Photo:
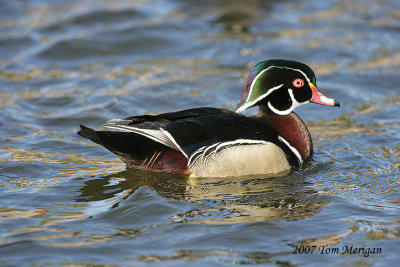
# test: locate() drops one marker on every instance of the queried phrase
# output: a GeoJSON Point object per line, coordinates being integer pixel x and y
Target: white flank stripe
{"type": "Point", "coordinates": [239, 141]}
{"type": "Point", "coordinates": [202, 150]}
{"type": "Point", "coordinates": [294, 150]}
{"type": "Point", "coordinates": [209, 147]}
{"type": "Point", "coordinates": [195, 154]}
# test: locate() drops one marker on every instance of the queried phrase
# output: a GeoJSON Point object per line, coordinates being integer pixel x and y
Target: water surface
{"type": "Point", "coordinates": [67, 201]}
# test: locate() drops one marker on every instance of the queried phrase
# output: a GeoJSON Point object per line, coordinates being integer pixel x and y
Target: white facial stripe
{"type": "Point", "coordinates": [242, 108]}
{"type": "Point", "coordinates": [308, 80]}
{"type": "Point", "coordinates": [246, 105]}
{"type": "Point", "coordinates": [294, 105]}
{"type": "Point", "coordinates": [255, 79]}
{"type": "Point", "coordinates": [284, 112]}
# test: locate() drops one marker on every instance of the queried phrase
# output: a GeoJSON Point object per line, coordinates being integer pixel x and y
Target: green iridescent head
{"type": "Point", "coordinates": [281, 85]}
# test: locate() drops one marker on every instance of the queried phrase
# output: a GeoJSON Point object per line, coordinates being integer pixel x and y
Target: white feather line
{"type": "Point", "coordinates": [161, 136]}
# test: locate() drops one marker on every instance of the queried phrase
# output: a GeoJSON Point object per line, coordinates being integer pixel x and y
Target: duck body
{"type": "Point", "coordinates": [218, 142]}
{"type": "Point", "coordinates": [203, 141]}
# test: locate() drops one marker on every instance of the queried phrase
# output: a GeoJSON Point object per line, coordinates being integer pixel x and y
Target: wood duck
{"type": "Point", "coordinates": [218, 142]}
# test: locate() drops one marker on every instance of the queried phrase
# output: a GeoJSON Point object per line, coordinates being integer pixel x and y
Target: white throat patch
{"type": "Point", "coordinates": [294, 105]}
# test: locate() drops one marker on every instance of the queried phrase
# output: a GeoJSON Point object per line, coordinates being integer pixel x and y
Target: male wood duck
{"type": "Point", "coordinates": [218, 142]}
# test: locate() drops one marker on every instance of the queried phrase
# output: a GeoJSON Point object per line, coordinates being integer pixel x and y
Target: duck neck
{"type": "Point", "coordinates": [290, 127]}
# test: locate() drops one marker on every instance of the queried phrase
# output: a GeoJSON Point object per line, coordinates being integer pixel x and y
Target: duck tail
{"type": "Point", "coordinates": [132, 148]}
{"type": "Point", "coordinates": [90, 134]}
{"type": "Point", "coordinates": [114, 141]}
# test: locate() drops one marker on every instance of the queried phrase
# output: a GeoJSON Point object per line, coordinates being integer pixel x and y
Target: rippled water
{"type": "Point", "coordinates": [67, 201]}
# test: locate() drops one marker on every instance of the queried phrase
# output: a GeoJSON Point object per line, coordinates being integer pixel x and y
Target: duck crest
{"type": "Point", "coordinates": [250, 78]}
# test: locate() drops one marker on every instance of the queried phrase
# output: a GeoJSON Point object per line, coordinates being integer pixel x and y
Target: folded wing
{"type": "Point", "coordinates": [192, 130]}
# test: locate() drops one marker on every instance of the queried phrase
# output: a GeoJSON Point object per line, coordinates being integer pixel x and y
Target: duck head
{"type": "Point", "coordinates": [281, 86]}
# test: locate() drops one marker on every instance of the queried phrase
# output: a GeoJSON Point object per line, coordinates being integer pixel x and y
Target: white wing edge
{"type": "Point", "coordinates": [172, 139]}
{"type": "Point", "coordinates": [161, 136]}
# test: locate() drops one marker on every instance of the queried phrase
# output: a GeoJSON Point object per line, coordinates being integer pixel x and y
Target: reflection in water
{"type": "Point", "coordinates": [229, 256]}
{"type": "Point", "coordinates": [233, 200]}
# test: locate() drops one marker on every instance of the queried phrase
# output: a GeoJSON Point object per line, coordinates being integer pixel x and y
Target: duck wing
{"type": "Point", "coordinates": [152, 126]}
{"type": "Point", "coordinates": [194, 130]}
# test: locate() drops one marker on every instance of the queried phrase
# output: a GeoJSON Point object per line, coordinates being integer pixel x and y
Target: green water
{"type": "Point", "coordinates": [65, 201]}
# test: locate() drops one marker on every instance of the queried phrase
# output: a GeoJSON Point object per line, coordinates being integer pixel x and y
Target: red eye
{"type": "Point", "coordinates": [298, 82]}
